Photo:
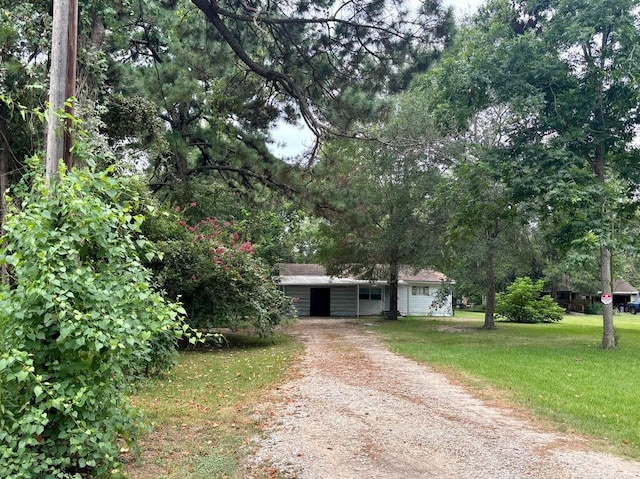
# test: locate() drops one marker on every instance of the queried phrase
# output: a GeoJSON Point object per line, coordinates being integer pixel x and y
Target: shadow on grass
{"type": "Point", "coordinates": [225, 339]}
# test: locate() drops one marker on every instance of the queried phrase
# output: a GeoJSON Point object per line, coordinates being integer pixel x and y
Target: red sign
{"type": "Point", "coordinates": [606, 299]}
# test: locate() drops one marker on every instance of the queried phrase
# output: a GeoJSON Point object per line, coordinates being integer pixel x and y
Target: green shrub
{"type": "Point", "coordinates": [595, 308]}
{"type": "Point", "coordinates": [79, 321]}
{"type": "Point", "coordinates": [524, 303]}
{"type": "Point", "coordinates": [216, 275]}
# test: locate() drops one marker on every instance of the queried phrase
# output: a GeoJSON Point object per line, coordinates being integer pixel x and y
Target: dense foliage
{"type": "Point", "coordinates": [523, 302]}
{"type": "Point", "coordinates": [518, 145]}
{"type": "Point", "coordinates": [375, 210]}
{"type": "Point", "coordinates": [549, 92]}
{"type": "Point", "coordinates": [217, 275]}
{"type": "Point", "coordinates": [79, 322]}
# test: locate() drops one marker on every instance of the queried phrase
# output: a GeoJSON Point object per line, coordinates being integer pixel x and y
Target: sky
{"type": "Point", "coordinates": [292, 140]}
{"type": "Point", "coordinates": [464, 7]}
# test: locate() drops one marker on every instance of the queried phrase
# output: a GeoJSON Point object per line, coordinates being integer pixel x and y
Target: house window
{"type": "Point", "coordinates": [420, 290]}
{"type": "Point", "coordinates": [374, 294]}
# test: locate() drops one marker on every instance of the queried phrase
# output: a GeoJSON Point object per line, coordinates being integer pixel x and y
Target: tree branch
{"type": "Point", "coordinates": [212, 12]}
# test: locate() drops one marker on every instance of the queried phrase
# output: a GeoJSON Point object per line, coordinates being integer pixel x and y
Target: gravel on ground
{"type": "Point", "coordinates": [356, 410]}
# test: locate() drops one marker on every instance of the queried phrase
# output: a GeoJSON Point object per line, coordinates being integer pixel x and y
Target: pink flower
{"type": "Point", "coordinates": [182, 223]}
{"type": "Point", "coordinates": [246, 247]}
{"type": "Point", "coordinates": [194, 277]}
{"type": "Point", "coordinates": [194, 204]}
{"type": "Point", "coordinates": [236, 236]}
{"type": "Point", "coordinates": [177, 209]}
{"type": "Point", "coordinates": [227, 224]}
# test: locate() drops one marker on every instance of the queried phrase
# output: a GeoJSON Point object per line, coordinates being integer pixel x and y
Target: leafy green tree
{"type": "Point", "coordinates": [375, 210]}
{"type": "Point", "coordinates": [221, 75]}
{"type": "Point", "coordinates": [487, 230]}
{"type": "Point", "coordinates": [24, 74]}
{"type": "Point", "coordinates": [327, 59]}
{"type": "Point", "coordinates": [591, 117]}
{"type": "Point", "coordinates": [216, 118]}
{"type": "Point", "coordinates": [524, 303]}
{"type": "Point", "coordinates": [488, 240]}
{"type": "Point", "coordinates": [565, 67]}
{"type": "Point", "coordinates": [22, 88]}
{"type": "Point", "coordinates": [79, 324]}
{"type": "Point", "coordinates": [307, 239]}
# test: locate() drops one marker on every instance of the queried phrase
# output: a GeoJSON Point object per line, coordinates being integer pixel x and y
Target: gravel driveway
{"type": "Point", "coordinates": [357, 410]}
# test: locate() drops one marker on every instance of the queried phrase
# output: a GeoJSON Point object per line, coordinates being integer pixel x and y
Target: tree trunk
{"type": "Point", "coordinates": [490, 285]}
{"type": "Point", "coordinates": [608, 330]}
{"type": "Point", "coordinates": [393, 291]}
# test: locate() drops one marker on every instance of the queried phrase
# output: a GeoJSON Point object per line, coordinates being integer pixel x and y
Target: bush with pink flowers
{"type": "Point", "coordinates": [216, 274]}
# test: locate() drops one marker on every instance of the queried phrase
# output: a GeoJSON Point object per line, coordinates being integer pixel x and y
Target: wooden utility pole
{"type": "Point", "coordinates": [5, 151]}
{"type": "Point", "coordinates": [71, 79]}
{"type": "Point", "coordinates": [62, 83]}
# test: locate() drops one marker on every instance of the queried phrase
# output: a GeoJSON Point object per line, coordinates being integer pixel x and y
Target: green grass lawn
{"type": "Point", "coordinates": [557, 371]}
{"type": "Point", "coordinates": [202, 410]}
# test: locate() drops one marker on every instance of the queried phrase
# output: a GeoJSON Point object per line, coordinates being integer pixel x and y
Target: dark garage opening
{"type": "Point", "coordinates": [320, 302]}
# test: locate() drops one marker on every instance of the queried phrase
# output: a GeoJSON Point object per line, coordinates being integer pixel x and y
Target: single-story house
{"type": "Point", "coordinates": [567, 296]}
{"type": "Point", "coordinates": [624, 293]}
{"type": "Point", "coordinates": [317, 294]}
{"type": "Point", "coordinates": [572, 300]}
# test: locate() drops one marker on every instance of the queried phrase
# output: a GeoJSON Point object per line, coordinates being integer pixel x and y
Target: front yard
{"type": "Point", "coordinates": [556, 371]}
{"type": "Point", "coordinates": [203, 411]}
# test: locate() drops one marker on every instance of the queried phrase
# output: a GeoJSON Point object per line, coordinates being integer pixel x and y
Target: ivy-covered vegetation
{"type": "Point", "coordinates": [80, 322]}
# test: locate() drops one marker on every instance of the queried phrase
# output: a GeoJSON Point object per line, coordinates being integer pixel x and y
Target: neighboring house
{"type": "Point", "coordinates": [567, 296]}
{"type": "Point", "coordinates": [317, 294]}
{"type": "Point", "coordinates": [623, 293]}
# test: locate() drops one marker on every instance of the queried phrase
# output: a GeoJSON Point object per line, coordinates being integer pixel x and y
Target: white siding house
{"type": "Point", "coordinates": [317, 294]}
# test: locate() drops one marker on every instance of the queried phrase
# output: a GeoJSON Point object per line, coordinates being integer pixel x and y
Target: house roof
{"type": "Point", "coordinates": [296, 269]}
{"type": "Point", "coordinates": [423, 275]}
{"type": "Point", "coordinates": [620, 286]}
{"type": "Point", "coordinates": [316, 275]}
